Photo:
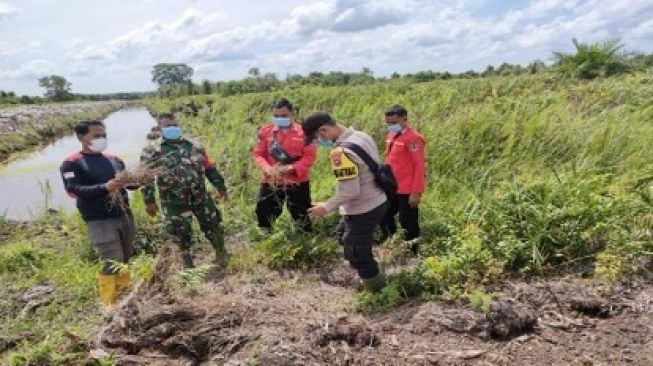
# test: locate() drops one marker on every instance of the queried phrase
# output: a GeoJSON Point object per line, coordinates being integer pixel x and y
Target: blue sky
{"type": "Point", "coordinates": [109, 46]}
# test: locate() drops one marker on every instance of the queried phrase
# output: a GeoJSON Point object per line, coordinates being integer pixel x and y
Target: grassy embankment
{"type": "Point", "coordinates": [527, 176]}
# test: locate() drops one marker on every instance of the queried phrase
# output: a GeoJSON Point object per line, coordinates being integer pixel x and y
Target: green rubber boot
{"type": "Point", "coordinates": [376, 283]}
{"type": "Point", "coordinates": [187, 259]}
{"type": "Point", "coordinates": [217, 242]}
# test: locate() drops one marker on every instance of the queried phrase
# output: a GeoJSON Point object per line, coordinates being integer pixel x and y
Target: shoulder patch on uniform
{"type": "Point", "coordinates": [343, 167]}
{"type": "Point", "coordinates": [73, 157]}
{"type": "Point", "coordinates": [413, 146]}
{"type": "Point", "coordinates": [68, 175]}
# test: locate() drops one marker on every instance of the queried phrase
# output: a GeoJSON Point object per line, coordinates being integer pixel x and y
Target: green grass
{"type": "Point", "coordinates": [55, 251]}
{"type": "Point", "coordinates": [47, 253]}
{"type": "Point", "coordinates": [527, 176]}
{"type": "Point", "coordinates": [534, 175]}
{"type": "Point", "coordinates": [399, 289]}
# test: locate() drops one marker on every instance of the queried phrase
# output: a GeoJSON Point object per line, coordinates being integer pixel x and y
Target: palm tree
{"type": "Point", "coordinates": [592, 60]}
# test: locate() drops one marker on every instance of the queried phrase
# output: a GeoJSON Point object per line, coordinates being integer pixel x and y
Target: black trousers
{"type": "Point", "coordinates": [271, 199]}
{"type": "Point", "coordinates": [408, 217]}
{"type": "Point", "coordinates": [355, 233]}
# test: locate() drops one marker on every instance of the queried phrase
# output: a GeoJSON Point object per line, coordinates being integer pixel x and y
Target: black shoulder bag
{"type": "Point", "coordinates": [279, 153]}
{"type": "Point", "coordinates": [383, 175]}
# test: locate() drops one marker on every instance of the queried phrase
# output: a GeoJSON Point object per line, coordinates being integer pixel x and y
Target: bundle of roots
{"type": "Point", "coordinates": [133, 177]}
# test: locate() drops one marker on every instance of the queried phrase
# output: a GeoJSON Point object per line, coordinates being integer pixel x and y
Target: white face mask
{"type": "Point", "coordinates": [98, 145]}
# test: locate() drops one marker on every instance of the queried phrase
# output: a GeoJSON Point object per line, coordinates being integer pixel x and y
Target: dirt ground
{"type": "Point", "coordinates": [295, 318]}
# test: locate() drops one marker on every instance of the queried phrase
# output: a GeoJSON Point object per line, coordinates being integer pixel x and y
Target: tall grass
{"type": "Point", "coordinates": [545, 169]}
{"type": "Point", "coordinates": [528, 175]}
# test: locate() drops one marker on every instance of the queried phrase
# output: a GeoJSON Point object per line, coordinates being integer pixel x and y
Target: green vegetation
{"type": "Point", "coordinates": [590, 60]}
{"type": "Point", "coordinates": [37, 327]}
{"type": "Point", "coordinates": [48, 304]}
{"type": "Point", "coordinates": [57, 88]}
{"type": "Point", "coordinates": [529, 175]}
{"type": "Point", "coordinates": [593, 60]}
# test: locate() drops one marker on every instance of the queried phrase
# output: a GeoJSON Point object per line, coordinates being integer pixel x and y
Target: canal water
{"type": "Point", "coordinates": [32, 184]}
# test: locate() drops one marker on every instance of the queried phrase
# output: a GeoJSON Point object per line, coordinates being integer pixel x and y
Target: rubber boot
{"type": "Point", "coordinates": [376, 283]}
{"type": "Point", "coordinates": [107, 288]}
{"type": "Point", "coordinates": [187, 259]}
{"type": "Point", "coordinates": [221, 257]}
{"type": "Point", "coordinates": [413, 245]}
{"type": "Point", "coordinates": [123, 281]}
{"type": "Point", "coordinates": [217, 242]}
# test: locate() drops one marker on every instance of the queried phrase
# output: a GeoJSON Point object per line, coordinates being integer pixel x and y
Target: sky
{"type": "Point", "coordinates": [111, 46]}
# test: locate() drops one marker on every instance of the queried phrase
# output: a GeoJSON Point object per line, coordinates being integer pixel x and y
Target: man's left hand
{"type": "Point", "coordinates": [317, 211]}
{"type": "Point", "coordinates": [413, 200]}
{"type": "Point", "coordinates": [286, 169]}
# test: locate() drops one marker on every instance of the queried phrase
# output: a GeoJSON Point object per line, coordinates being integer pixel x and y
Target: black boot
{"type": "Point", "coordinates": [376, 283]}
{"type": "Point", "coordinates": [187, 259]}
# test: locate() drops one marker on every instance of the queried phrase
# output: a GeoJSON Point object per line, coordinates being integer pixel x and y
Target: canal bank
{"type": "Point", "coordinates": [26, 127]}
{"type": "Point", "coordinates": [31, 184]}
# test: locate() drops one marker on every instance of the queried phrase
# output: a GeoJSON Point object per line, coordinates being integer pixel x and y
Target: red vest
{"type": "Point", "coordinates": [292, 140]}
{"type": "Point", "coordinates": [404, 152]}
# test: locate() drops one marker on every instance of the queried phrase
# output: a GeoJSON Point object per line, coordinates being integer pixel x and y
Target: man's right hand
{"type": "Point", "coordinates": [152, 209]}
{"type": "Point", "coordinates": [273, 171]}
{"type": "Point", "coordinates": [114, 185]}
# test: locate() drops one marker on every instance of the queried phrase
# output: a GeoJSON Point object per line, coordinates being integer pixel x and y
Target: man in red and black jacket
{"type": "Point", "coordinates": [285, 160]}
{"type": "Point", "coordinates": [89, 176]}
{"type": "Point", "coordinates": [405, 154]}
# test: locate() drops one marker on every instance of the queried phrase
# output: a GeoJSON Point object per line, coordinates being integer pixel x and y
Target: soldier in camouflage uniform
{"type": "Point", "coordinates": [181, 166]}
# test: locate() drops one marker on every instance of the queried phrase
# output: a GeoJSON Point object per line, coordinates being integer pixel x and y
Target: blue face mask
{"type": "Point", "coordinates": [282, 122]}
{"type": "Point", "coordinates": [171, 132]}
{"type": "Point", "coordinates": [395, 128]}
{"type": "Point", "coordinates": [327, 144]}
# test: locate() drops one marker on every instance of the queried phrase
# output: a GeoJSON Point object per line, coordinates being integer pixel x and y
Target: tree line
{"type": "Point", "coordinates": [587, 61]}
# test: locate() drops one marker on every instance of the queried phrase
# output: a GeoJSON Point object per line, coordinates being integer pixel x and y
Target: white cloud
{"type": "Point", "coordinates": [13, 48]}
{"type": "Point", "coordinates": [30, 70]}
{"type": "Point", "coordinates": [7, 9]}
{"type": "Point", "coordinates": [643, 30]}
{"type": "Point", "coordinates": [152, 35]}
{"type": "Point", "coordinates": [231, 44]}
{"type": "Point", "coordinates": [346, 16]}
{"type": "Point", "coordinates": [222, 41]}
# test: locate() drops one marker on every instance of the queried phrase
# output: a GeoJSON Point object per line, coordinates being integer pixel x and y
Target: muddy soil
{"type": "Point", "coordinates": [294, 318]}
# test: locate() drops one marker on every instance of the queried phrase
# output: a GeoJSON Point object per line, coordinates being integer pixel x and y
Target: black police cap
{"type": "Point", "coordinates": [312, 122]}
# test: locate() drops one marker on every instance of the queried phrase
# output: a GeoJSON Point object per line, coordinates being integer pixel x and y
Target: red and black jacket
{"type": "Point", "coordinates": [85, 176]}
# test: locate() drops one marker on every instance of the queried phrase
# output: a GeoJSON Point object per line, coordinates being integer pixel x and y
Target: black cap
{"type": "Point", "coordinates": [396, 110]}
{"type": "Point", "coordinates": [312, 122]}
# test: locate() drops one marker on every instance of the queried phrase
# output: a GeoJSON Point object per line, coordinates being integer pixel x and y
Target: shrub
{"type": "Point", "coordinates": [285, 250]}
{"type": "Point", "coordinates": [466, 264]}
{"type": "Point", "coordinates": [542, 225]}
{"type": "Point", "coordinates": [398, 290]}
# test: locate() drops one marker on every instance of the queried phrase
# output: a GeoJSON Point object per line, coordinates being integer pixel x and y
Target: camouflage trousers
{"type": "Point", "coordinates": [178, 220]}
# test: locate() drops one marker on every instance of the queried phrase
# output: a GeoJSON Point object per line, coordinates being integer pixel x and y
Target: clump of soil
{"type": "Point", "coordinates": [354, 335]}
{"type": "Point", "coordinates": [593, 306]}
{"type": "Point", "coordinates": [506, 321]}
